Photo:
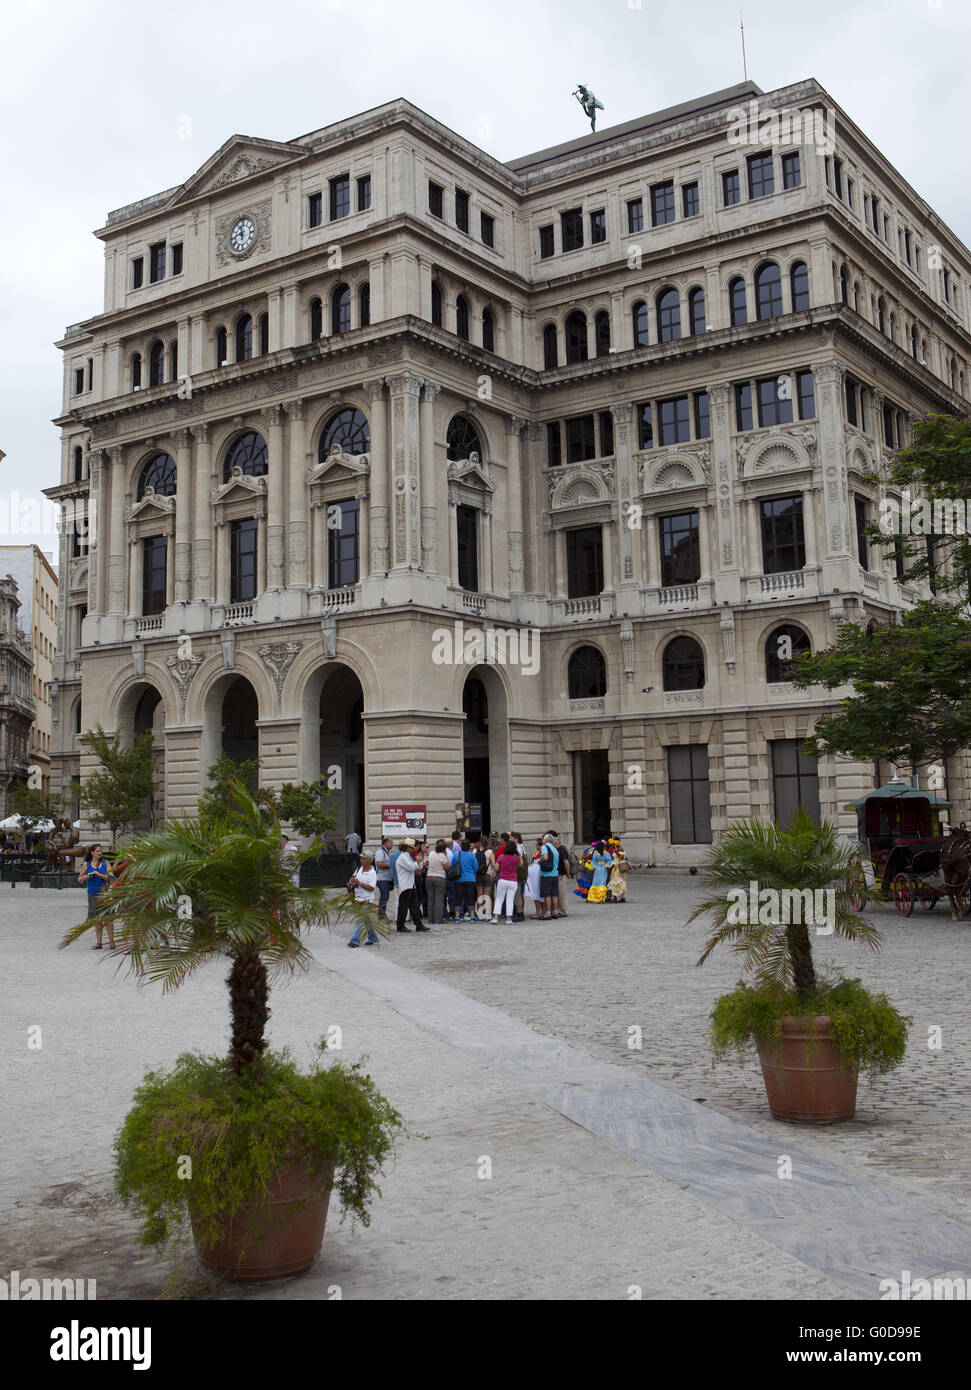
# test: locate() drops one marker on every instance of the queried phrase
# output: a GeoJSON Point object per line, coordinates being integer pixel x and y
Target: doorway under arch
{"type": "Point", "coordinates": [333, 744]}
{"type": "Point", "coordinates": [485, 750]}
{"type": "Point", "coordinates": [142, 710]}
{"type": "Point", "coordinates": [240, 738]}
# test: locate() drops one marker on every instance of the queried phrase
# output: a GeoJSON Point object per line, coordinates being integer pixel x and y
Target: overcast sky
{"type": "Point", "coordinates": [97, 99]}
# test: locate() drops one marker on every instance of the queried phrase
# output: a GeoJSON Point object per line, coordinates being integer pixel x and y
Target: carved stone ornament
{"type": "Point", "coordinates": [278, 657]}
{"type": "Point", "coordinates": [257, 214]}
{"type": "Point", "coordinates": [182, 669]}
{"type": "Point", "coordinates": [337, 464]}
{"type": "Point", "coordinates": [595, 704]}
{"type": "Point", "coordinates": [472, 472]}
{"type": "Point", "coordinates": [579, 485]}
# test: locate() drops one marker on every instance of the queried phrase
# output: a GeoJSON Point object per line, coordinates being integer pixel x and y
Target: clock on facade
{"type": "Point", "coordinates": [243, 235]}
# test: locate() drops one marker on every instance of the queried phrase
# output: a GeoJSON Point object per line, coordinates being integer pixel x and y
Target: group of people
{"type": "Point", "coordinates": [602, 876]}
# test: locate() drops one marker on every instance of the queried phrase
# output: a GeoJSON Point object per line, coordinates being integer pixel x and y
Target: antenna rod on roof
{"type": "Point", "coordinates": [741, 25]}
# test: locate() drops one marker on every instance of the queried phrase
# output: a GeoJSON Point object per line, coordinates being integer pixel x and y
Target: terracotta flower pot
{"type": "Point", "coordinates": [804, 1080]}
{"type": "Point", "coordinates": [280, 1235]}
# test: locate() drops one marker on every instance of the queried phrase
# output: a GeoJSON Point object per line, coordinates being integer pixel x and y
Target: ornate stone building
{"type": "Point", "coordinates": [456, 480]}
{"type": "Point", "coordinates": [16, 703]}
{"type": "Point", "coordinates": [37, 589]}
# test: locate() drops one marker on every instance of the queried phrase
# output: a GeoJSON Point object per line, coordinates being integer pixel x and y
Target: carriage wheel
{"type": "Point", "coordinates": [903, 895]}
{"type": "Point", "coordinates": [857, 889]}
{"type": "Point", "coordinates": [925, 895]}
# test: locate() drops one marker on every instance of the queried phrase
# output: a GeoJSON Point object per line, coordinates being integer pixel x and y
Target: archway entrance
{"type": "Point", "coordinates": [485, 751]}
{"type": "Point", "coordinates": [240, 711]}
{"type": "Point", "coordinates": [333, 745]}
{"type": "Point", "coordinates": [142, 710]}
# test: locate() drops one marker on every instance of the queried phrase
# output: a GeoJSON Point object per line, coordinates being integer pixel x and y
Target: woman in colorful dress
{"type": "Point", "coordinates": [617, 883]}
{"type": "Point", "coordinates": [584, 874]}
{"type": "Point", "coordinates": [601, 862]}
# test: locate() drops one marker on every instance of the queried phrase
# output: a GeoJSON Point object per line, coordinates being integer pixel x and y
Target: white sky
{"type": "Point", "coordinates": [94, 96]}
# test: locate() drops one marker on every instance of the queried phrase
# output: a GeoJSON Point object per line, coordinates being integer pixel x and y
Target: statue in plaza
{"type": "Point", "coordinates": [589, 103]}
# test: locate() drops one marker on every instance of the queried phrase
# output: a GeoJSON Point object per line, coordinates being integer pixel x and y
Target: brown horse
{"type": "Point", "coordinates": [956, 872]}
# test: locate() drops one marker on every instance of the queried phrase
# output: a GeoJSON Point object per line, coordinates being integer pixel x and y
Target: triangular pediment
{"type": "Point", "coordinates": [151, 505]}
{"type": "Point", "coordinates": [471, 473]}
{"type": "Point", "coordinates": [338, 467]}
{"type": "Point", "coordinates": [240, 158]}
{"type": "Point", "coordinates": [241, 487]}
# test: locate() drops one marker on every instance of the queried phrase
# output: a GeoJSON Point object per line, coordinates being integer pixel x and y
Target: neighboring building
{"type": "Point", "coordinates": [351, 390]}
{"type": "Point", "coordinates": [37, 587]}
{"type": "Point", "coordinates": [16, 705]}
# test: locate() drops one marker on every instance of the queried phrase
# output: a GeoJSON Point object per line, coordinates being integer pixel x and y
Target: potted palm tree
{"type": "Point", "coordinates": [813, 1035]}
{"type": "Point", "coordinates": [245, 1148]}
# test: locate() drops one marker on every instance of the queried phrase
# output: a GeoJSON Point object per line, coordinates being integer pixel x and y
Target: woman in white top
{"type": "Point", "coordinates": [531, 890]}
{"type": "Point", "coordinates": [365, 883]}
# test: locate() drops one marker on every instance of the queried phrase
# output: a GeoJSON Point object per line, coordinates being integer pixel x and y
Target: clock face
{"type": "Point", "coordinates": [243, 235]}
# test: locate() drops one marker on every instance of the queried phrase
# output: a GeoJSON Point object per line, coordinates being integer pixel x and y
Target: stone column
{"type": "Point", "coordinates": [559, 562]}
{"type": "Point", "coordinates": [197, 345]}
{"type": "Point", "coordinates": [273, 310]}
{"type": "Point", "coordinates": [95, 517]}
{"type": "Point", "coordinates": [627, 557]}
{"type": "Point", "coordinates": [621, 327]}
{"type": "Point", "coordinates": [116, 545]}
{"type": "Point", "coordinates": [169, 567]}
{"type": "Point", "coordinates": [654, 575]}
{"type": "Point", "coordinates": [363, 540]}
{"type": "Point", "coordinates": [809, 521]}
{"type": "Point", "coordinates": [273, 416]}
{"type": "Point", "coordinates": [514, 503]}
{"type": "Point", "coordinates": [405, 546]}
{"type": "Point", "coordinates": [184, 349]}
{"type": "Point", "coordinates": [183, 516]}
{"type": "Point", "coordinates": [134, 597]}
{"type": "Point", "coordinates": [487, 582]}
{"type": "Point", "coordinates": [202, 576]}
{"type": "Point", "coordinates": [453, 538]}
{"type": "Point", "coordinates": [289, 335]}
{"type": "Point", "coordinates": [221, 591]}
{"type": "Point", "coordinates": [297, 525]}
{"type": "Point", "coordinates": [830, 378]}
{"type": "Point", "coordinates": [429, 516]}
{"type": "Point", "coordinates": [379, 478]}
{"type": "Point", "coordinates": [753, 519]}
{"type": "Point", "coordinates": [728, 561]}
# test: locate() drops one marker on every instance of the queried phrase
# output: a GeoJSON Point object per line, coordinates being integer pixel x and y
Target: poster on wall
{"type": "Point", "coordinates": [403, 820]}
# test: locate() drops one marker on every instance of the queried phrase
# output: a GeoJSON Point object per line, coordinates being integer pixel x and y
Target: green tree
{"type": "Point", "coordinates": [911, 683]}
{"type": "Point", "coordinates": [304, 805]}
{"type": "Point", "coordinates": [118, 793]}
{"type": "Point", "coordinates": [216, 802]}
{"type": "Point", "coordinates": [33, 805]}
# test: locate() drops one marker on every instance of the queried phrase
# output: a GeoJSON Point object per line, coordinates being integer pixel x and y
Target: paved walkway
{"type": "Point", "coordinates": [506, 1049]}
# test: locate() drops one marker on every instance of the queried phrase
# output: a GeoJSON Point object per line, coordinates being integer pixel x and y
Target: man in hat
{"type": "Point", "coordinates": [406, 866]}
{"type": "Point", "coordinates": [365, 883]}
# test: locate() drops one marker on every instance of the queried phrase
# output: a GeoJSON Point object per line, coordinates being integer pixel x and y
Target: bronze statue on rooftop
{"type": "Point", "coordinates": [589, 103]}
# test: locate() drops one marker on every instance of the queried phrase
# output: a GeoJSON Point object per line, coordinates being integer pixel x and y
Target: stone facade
{"type": "Point", "coordinates": [37, 589]}
{"type": "Point", "coordinates": [325, 605]}
{"type": "Point", "coordinates": [16, 703]}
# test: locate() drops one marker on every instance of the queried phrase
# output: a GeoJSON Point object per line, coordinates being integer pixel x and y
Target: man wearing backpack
{"type": "Point", "coordinates": [565, 868]}
{"type": "Point", "coordinates": [549, 880]}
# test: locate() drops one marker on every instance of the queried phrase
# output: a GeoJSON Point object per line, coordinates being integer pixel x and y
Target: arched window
{"type": "Point", "coordinates": [158, 473]}
{"type": "Point", "coordinates": [639, 317]}
{"type": "Point", "coordinates": [696, 312]}
{"type": "Point", "coordinates": [768, 292]}
{"type": "Point", "coordinates": [222, 347]}
{"type": "Point", "coordinates": [244, 338]}
{"type": "Point", "coordinates": [247, 453]}
{"type": "Point", "coordinates": [736, 299]}
{"type": "Point", "coordinates": [340, 310]}
{"type": "Point", "coordinates": [348, 428]}
{"type": "Point", "coordinates": [156, 364]}
{"type": "Point", "coordinates": [844, 285]}
{"type": "Point", "coordinates": [549, 346]}
{"type": "Point", "coordinates": [488, 331]}
{"type": "Point", "coordinates": [781, 646]}
{"type": "Point", "coordinates": [173, 360]}
{"type": "Point", "coordinates": [913, 341]}
{"type": "Point", "coordinates": [799, 285]}
{"type": "Point", "coordinates": [683, 665]}
{"type": "Point", "coordinates": [461, 439]}
{"type": "Point", "coordinates": [136, 370]}
{"type": "Point", "coordinates": [668, 316]}
{"type": "Point", "coordinates": [78, 464]}
{"type": "Point", "coordinates": [462, 317]}
{"type": "Point", "coordinates": [587, 674]}
{"type": "Point", "coordinates": [437, 316]}
{"type": "Point", "coordinates": [264, 334]}
{"type": "Point", "coordinates": [316, 319]}
{"type": "Point", "coordinates": [576, 337]}
{"type": "Point", "coordinates": [601, 333]}
{"type": "Point", "coordinates": [364, 305]}
{"type": "Point", "coordinates": [881, 315]}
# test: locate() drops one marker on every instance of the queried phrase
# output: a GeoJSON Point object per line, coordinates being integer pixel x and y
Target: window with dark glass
{"type": "Point", "coordinates": [775, 400]}
{"type": "Point", "coordinates": [838, 178]}
{"type": "Point", "coordinates": [851, 400]}
{"type": "Point", "coordinates": [606, 434]}
{"type": "Point", "coordinates": [587, 674]}
{"type": "Point", "coordinates": [668, 316]}
{"type": "Point", "coordinates": [635, 215]}
{"type": "Point", "coordinates": [768, 292]}
{"type": "Point", "coordinates": [598, 226]}
{"type": "Point", "coordinates": [899, 559]}
{"type": "Point", "coordinates": [549, 346]}
{"type": "Point", "coordinates": [315, 209]}
{"type": "Point", "coordinates": [461, 210]}
{"type": "Point", "coordinates": [78, 380]}
{"type": "Point", "coordinates": [690, 201]}
{"type": "Point", "coordinates": [364, 193]}
{"type": "Point", "coordinates": [546, 247]}
{"type": "Point", "coordinates": [601, 332]}
{"type": "Point", "coordinates": [639, 318]}
{"type": "Point", "coordinates": [340, 309]}
{"type": "Point", "coordinates": [488, 331]}
{"type": "Point", "coordinates": [584, 562]}
{"type": "Point", "coordinates": [78, 464]}
{"type": "Point", "coordinates": [806, 395]}
{"type": "Point", "coordinates": [761, 175]}
{"type": "Point", "coordinates": [554, 454]}
{"type": "Point", "coordinates": [249, 454]}
{"type": "Point", "coordinates": [244, 338]}
{"type": "Point", "coordinates": [487, 228]}
{"type": "Point", "coordinates": [467, 521]}
{"type": "Point", "coordinates": [689, 795]}
{"type": "Point", "coordinates": [683, 665]}
{"type": "Point", "coordinates": [364, 305]}
{"type": "Point", "coordinates": [316, 319]}
{"type": "Point", "coordinates": [731, 189]}
{"type": "Point", "coordinates": [347, 428]}
{"type": "Point", "coordinates": [844, 285]}
{"type": "Point", "coordinates": [662, 203]}
{"type": "Point", "coordinates": [795, 781]}
{"type": "Point", "coordinates": [736, 299]}
{"type": "Point", "coordinates": [888, 433]}
{"type": "Point", "coordinates": [340, 197]}
{"type": "Point", "coordinates": [783, 540]}
{"type": "Point", "coordinates": [461, 439]}
{"type": "Point", "coordinates": [159, 474]}
{"type": "Point", "coordinates": [156, 364]}
{"type": "Point", "coordinates": [782, 645]}
{"type": "Point", "coordinates": [462, 317]}
{"type": "Point", "coordinates": [571, 229]}
{"type": "Point", "coordinates": [264, 328]}
{"type": "Point", "coordinates": [743, 406]}
{"type": "Point", "coordinates": [791, 172]}
{"type": "Point", "coordinates": [136, 370]}
{"type": "Point", "coordinates": [177, 258]}
{"type": "Point", "coordinates": [436, 304]}
{"type": "Point", "coordinates": [154, 551]}
{"type": "Point", "coordinates": [436, 199]}
{"type": "Point", "coordinates": [799, 283]}
{"type": "Point", "coordinates": [581, 440]}
{"type": "Point", "coordinates": [862, 546]}
{"type": "Point", "coordinates": [156, 262]}
{"type": "Point", "coordinates": [696, 312]}
{"type": "Point", "coordinates": [222, 347]}
{"type": "Point", "coordinates": [931, 563]}
{"type": "Point", "coordinates": [907, 247]}
{"type": "Point", "coordinates": [242, 560]}
{"type": "Point", "coordinates": [702, 416]}
{"type": "Point", "coordinates": [79, 533]}
{"type": "Point", "coordinates": [645, 427]}
{"type": "Point", "coordinates": [343, 544]}
{"type": "Point", "coordinates": [674, 420]}
{"type": "Point", "coordinates": [680, 549]}
{"type": "Point", "coordinates": [576, 337]}
{"type": "Point", "coordinates": [89, 370]}
{"type": "Point", "coordinates": [137, 272]}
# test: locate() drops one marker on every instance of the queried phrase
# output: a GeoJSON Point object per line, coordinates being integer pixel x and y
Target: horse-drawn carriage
{"type": "Point", "coordinates": [905, 853]}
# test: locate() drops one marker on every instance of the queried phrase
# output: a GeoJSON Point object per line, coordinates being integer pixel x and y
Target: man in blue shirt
{"type": "Point", "coordinates": [549, 879]}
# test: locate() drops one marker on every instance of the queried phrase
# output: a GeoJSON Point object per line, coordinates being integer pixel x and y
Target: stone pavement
{"type": "Point", "coordinates": [506, 1048]}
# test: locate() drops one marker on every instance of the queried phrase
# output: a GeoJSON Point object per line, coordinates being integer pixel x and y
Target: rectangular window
{"type": "Point", "coordinates": [806, 393]}
{"type": "Point", "coordinates": [862, 547]}
{"type": "Point", "coordinates": [690, 201]}
{"type": "Point", "coordinates": [461, 210]}
{"type": "Point", "coordinates": [851, 402]}
{"type": "Point", "coordinates": [90, 374]}
{"type": "Point", "coordinates": [783, 541]}
{"type": "Point", "coordinates": [242, 560]}
{"type": "Point", "coordinates": [554, 447]}
{"type": "Point", "coordinates": [888, 434]}
{"type": "Point", "coordinates": [886, 229]}
{"type": "Point", "coordinates": [761, 175]}
{"type": "Point", "coordinates": [315, 209]}
{"type": "Point", "coordinates": [343, 546]}
{"type": "Point", "coordinates": [662, 203]}
{"type": "Point", "coordinates": [775, 400]}
{"type": "Point", "coordinates": [645, 427]}
{"type": "Point", "coordinates": [467, 520]}
{"type": "Point", "coordinates": [899, 561]}
{"type": "Point", "coordinates": [436, 199]}
{"type": "Point", "coordinates": [791, 170]}
{"type": "Point", "coordinates": [581, 441]}
{"type": "Point", "coordinates": [177, 258]}
{"type": "Point", "coordinates": [908, 249]}
{"type": "Point", "coordinates": [875, 202]}
{"type": "Point", "coordinates": [137, 272]}
{"type": "Point", "coordinates": [689, 795]}
{"type": "Point", "coordinates": [731, 190]}
{"type": "Point", "coordinates": [78, 380]}
{"type": "Point", "coordinates": [364, 193]}
{"type": "Point", "coordinates": [546, 247]}
{"type": "Point", "coordinates": [154, 552]}
{"type": "Point", "coordinates": [571, 229]}
{"type": "Point", "coordinates": [795, 780]}
{"type": "Point", "coordinates": [487, 225]}
{"type": "Point", "coordinates": [849, 191]}
{"type": "Point", "coordinates": [743, 406]}
{"type": "Point", "coordinates": [702, 416]}
{"type": "Point", "coordinates": [598, 227]}
{"type": "Point", "coordinates": [674, 420]}
{"type": "Point", "coordinates": [635, 215]}
{"type": "Point", "coordinates": [156, 262]}
{"type": "Point", "coordinates": [838, 178]}
{"type": "Point", "coordinates": [340, 197]}
{"type": "Point", "coordinates": [606, 421]}
{"type": "Point", "coordinates": [680, 549]}
{"type": "Point", "coordinates": [584, 562]}
{"type": "Point", "coordinates": [866, 210]}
